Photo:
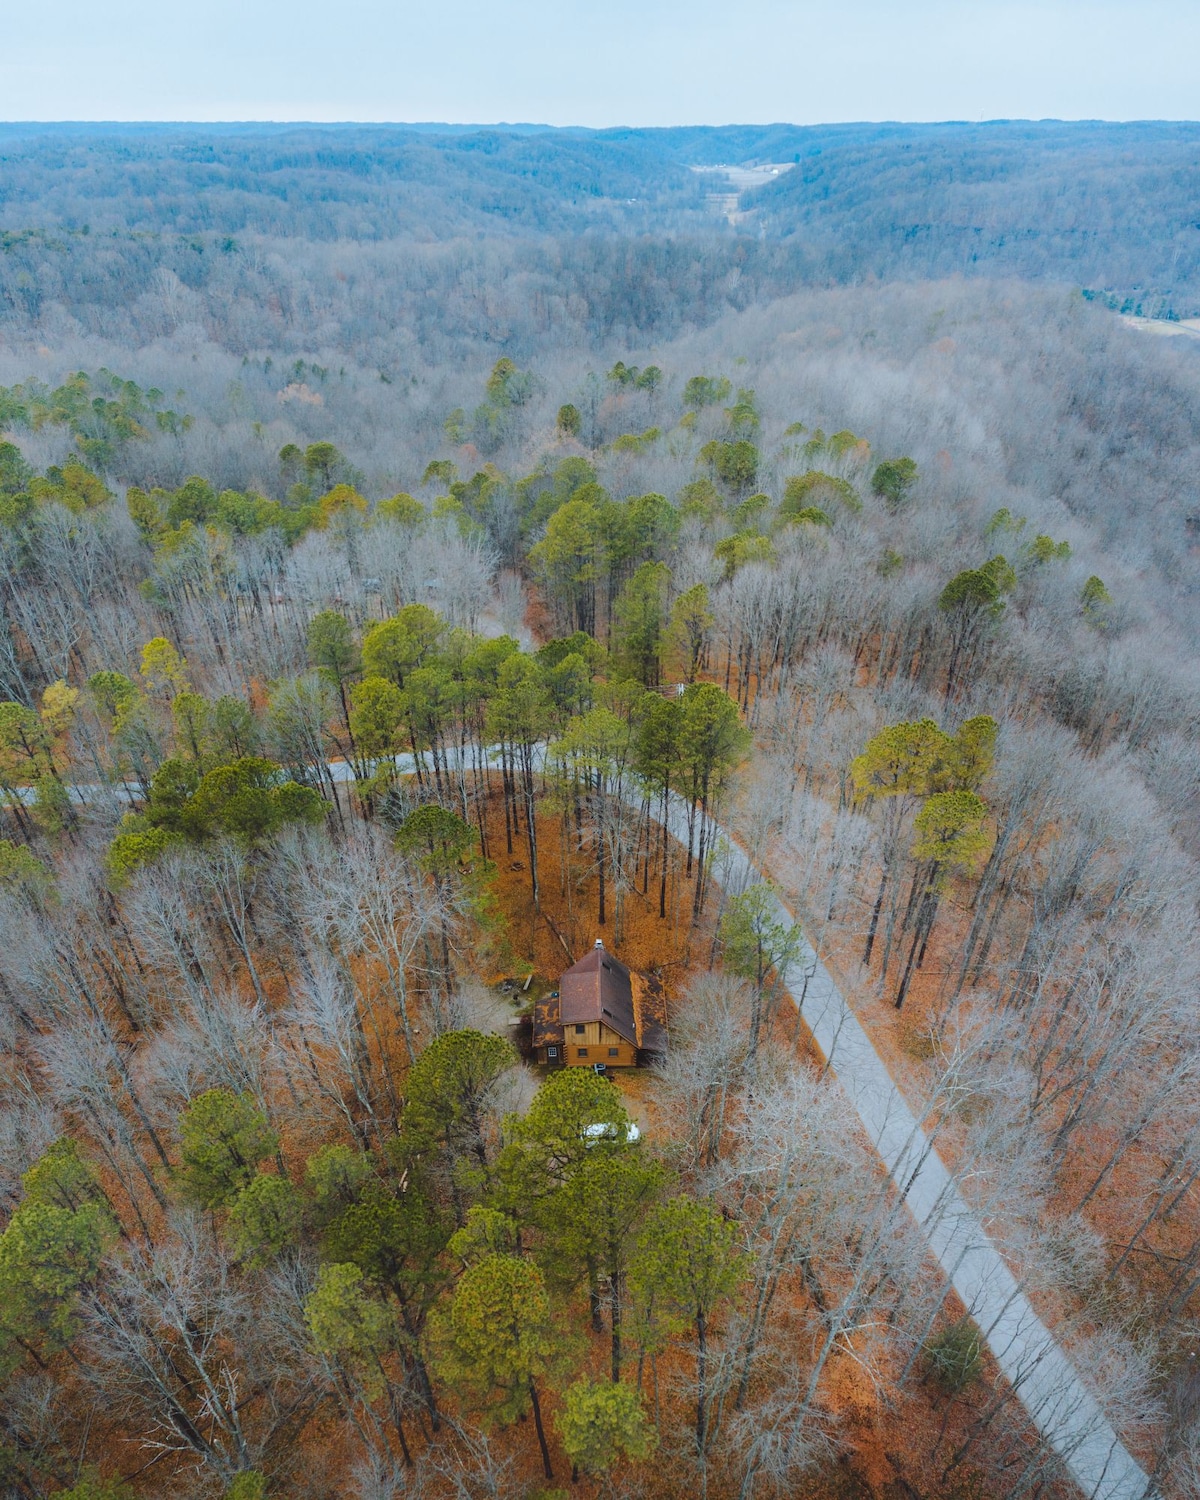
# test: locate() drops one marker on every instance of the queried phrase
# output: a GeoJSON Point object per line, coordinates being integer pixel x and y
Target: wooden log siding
{"type": "Point", "coordinates": [598, 1043]}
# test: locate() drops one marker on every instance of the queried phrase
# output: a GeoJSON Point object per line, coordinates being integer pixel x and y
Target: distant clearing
{"type": "Point", "coordinates": [1166, 327]}
{"type": "Point", "coordinates": [740, 180]}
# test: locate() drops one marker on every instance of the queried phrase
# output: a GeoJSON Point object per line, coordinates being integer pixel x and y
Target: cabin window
{"type": "Point", "coordinates": [579, 1030]}
{"type": "Point", "coordinates": [614, 1052]}
{"type": "Point", "coordinates": [551, 1051]}
{"type": "Point", "coordinates": [581, 1051]}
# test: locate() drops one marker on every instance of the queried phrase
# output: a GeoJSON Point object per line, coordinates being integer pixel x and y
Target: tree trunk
{"type": "Point", "coordinates": [530, 826]}
{"type": "Point", "coordinates": [600, 845]}
{"type": "Point", "coordinates": [666, 854]}
{"type": "Point", "coordinates": [614, 1283]}
{"type": "Point", "coordinates": [701, 1383]}
{"type": "Point", "coordinates": [541, 1431]}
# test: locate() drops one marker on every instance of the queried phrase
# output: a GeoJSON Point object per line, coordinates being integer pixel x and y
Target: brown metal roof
{"type": "Point", "coordinates": [597, 988]}
{"type": "Point", "coordinates": [547, 1023]}
{"type": "Point", "coordinates": [650, 1011]}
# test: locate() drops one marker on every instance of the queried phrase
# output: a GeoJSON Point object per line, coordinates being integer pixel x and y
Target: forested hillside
{"type": "Point", "coordinates": [1108, 207]}
{"type": "Point", "coordinates": [434, 562]}
{"type": "Point", "coordinates": [1098, 205]}
{"type": "Point", "coordinates": [335, 182]}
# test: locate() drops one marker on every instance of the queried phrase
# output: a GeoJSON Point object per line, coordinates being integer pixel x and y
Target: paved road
{"type": "Point", "coordinates": [1058, 1402]}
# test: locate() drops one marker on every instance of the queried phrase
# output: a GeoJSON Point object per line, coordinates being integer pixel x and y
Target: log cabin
{"type": "Point", "coordinates": [596, 1017]}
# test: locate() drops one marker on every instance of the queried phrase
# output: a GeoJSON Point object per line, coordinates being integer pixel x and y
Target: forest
{"type": "Point", "coordinates": [392, 610]}
{"type": "Point", "coordinates": [1101, 205]}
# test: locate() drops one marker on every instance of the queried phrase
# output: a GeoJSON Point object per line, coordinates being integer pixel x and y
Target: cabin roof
{"type": "Point", "coordinates": [598, 988]}
{"type": "Point", "coordinates": [650, 1012]}
{"type": "Point", "coordinates": [547, 1023]}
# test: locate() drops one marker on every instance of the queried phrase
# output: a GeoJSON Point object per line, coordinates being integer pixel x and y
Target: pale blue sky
{"type": "Point", "coordinates": [636, 62]}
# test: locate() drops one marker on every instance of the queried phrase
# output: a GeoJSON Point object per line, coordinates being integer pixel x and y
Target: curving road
{"type": "Point", "coordinates": [1058, 1402]}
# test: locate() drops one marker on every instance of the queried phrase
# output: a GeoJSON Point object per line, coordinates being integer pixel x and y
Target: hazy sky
{"type": "Point", "coordinates": [637, 62]}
